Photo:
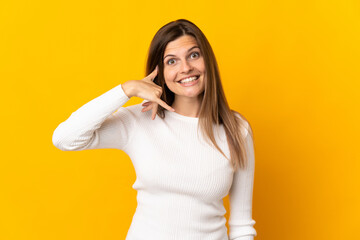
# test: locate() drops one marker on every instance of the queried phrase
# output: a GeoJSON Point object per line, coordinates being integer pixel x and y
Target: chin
{"type": "Point", "coordinates": [190, 95]}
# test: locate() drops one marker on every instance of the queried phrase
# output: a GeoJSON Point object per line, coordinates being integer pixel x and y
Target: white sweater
{"type": "Point", "coordinates": [180, 179]}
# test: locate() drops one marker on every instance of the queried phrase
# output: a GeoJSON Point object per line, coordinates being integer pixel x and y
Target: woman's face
{"type": "Point", "coordinates": [183, 60]}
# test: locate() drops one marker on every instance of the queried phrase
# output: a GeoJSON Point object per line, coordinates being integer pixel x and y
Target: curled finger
{"type": "Point", "coordinates": [155, 107]}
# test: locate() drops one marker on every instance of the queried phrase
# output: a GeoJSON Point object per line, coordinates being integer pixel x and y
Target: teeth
{"type": "Point", "coordinates": [188, 79]}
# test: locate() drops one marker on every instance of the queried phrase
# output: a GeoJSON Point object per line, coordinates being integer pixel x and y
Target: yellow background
{"type": "Point", "coordinates": [290, 67]}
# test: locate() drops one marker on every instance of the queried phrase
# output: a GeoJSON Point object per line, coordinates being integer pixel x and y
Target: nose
{"type": "Point", "coordinates": [186, 67]}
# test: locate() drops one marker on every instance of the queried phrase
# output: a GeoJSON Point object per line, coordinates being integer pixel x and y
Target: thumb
{"type": "Point", "coordinates": [153, 74]}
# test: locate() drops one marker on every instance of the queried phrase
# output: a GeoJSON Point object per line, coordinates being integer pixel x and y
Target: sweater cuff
{"type": "Point", "coordinates": [120, 90]}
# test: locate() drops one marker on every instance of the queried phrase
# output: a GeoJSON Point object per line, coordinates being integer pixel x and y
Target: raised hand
{"type": "Point", "coordinates": [148, 90]}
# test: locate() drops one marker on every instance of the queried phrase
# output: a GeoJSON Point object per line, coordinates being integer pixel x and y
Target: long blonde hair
{"type": "Point", "coordinates": [214, 107]}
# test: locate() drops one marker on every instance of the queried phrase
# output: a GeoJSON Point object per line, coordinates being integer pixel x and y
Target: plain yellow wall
{"type": "Point", "coordinates": [290, 67]}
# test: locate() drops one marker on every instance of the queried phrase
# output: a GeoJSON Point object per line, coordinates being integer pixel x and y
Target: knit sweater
{"type": "Point", "coordinates": [181, 179]}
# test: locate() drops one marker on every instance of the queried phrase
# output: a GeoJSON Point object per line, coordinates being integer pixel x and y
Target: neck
{"type": "Point", "coordinates": [186, 106]}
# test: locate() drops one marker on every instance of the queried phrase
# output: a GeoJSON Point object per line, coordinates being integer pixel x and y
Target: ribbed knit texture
{"type": "Point", "coordinates": [181, 180]}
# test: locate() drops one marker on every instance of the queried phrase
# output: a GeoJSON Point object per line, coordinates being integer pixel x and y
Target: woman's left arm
{"type": "Point", "coordinates": [240, 197]}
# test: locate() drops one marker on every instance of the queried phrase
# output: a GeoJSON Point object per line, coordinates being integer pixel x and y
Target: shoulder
{"type": "Point", "coordinates": [136, 113]}
{"type": "Point", "coordinates": [243, 123]}
{"type": "Point", "coordinates": [134, 109]}
{"type": "Point", "coordinates": [130, 113]}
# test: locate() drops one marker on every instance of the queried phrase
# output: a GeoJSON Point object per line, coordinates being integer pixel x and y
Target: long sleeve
{"type": "Point", "coordinates": [240, 197]}
{"type": "Point", "coordinates": [100, 123]}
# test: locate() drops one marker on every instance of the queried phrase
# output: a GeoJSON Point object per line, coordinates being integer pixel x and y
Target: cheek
{"type": "Point", "coordinates": [201, 66]}
{"type": "Point", "coordinates": [169, 75]}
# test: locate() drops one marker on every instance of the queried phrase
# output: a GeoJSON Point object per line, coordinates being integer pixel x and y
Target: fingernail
{"type": "Point", "coordinates": [172, 109]}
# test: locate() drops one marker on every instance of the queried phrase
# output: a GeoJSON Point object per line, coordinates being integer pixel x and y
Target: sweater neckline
{"type": "Point", "coordinates": [179, 116]}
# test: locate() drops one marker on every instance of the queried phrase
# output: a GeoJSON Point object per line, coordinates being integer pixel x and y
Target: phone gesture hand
{"type": "Point", "coordinates": [148, 90]}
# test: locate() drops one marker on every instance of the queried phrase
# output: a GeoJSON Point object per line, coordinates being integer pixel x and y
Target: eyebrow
{"type": "Point", "coordinates": [188, 51]}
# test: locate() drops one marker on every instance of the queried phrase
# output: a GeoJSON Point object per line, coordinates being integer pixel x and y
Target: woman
{"type": "Point", "coordinates": [183, 174]}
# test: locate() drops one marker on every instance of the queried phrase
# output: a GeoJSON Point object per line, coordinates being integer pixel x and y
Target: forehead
{"type": "Point", "coordinates": [182, 43]}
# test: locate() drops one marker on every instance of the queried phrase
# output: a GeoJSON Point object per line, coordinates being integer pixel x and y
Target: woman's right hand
{"type": "Point", "coordinates": [148, 90]}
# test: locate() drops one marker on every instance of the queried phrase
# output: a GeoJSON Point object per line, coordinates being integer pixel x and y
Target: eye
{"type": "Point", "coordinates": [196, 54]}
{"type": "Point", "coordinates": [169, 62]}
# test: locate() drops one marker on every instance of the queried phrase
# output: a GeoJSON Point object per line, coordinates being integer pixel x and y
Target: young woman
{"type": "Point", "coordinates": [182, 173]}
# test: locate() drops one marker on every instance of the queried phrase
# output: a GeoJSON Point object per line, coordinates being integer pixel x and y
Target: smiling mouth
{"type": "Point", "coordinates": [189, 79]}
